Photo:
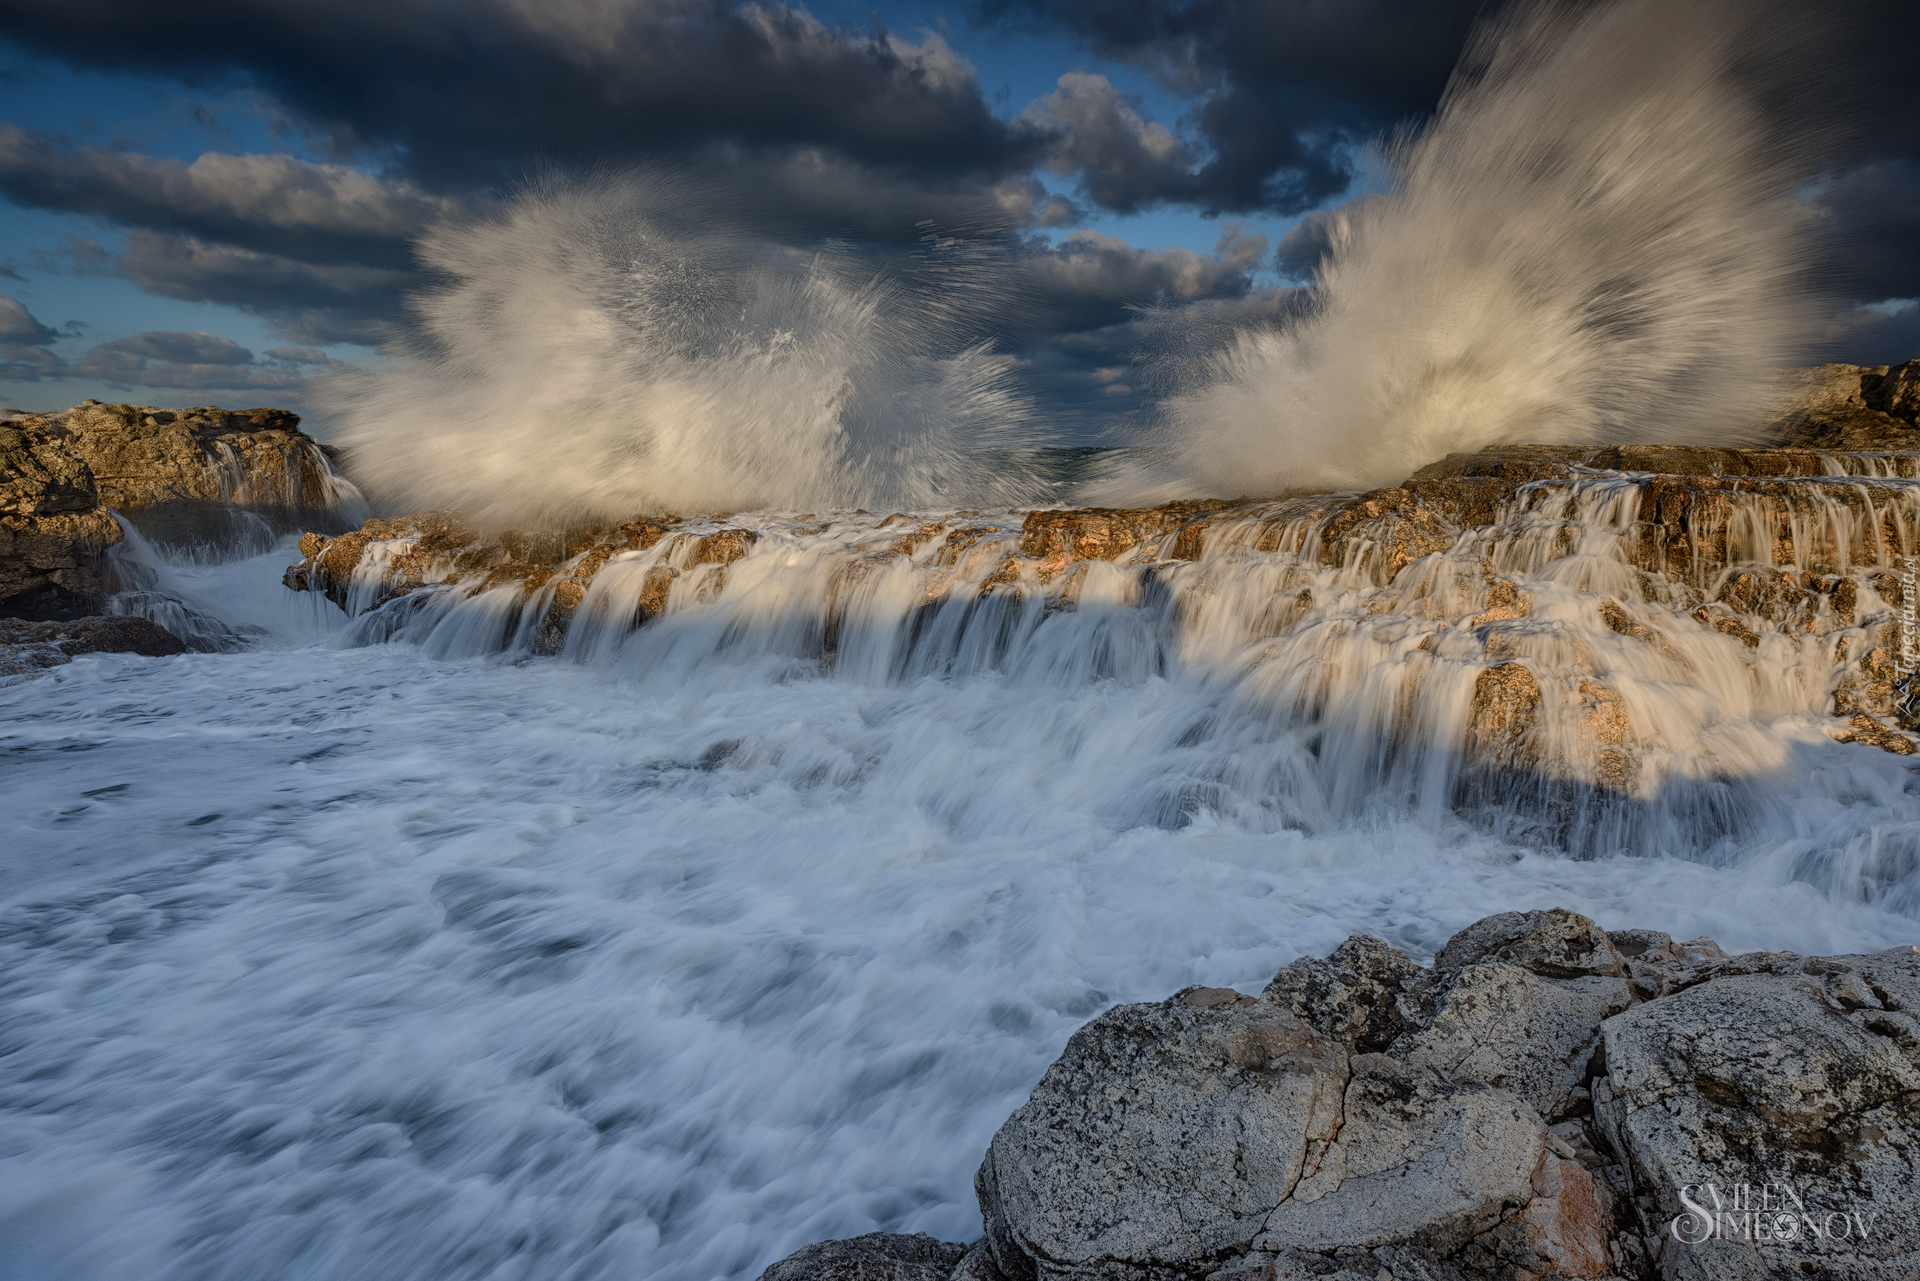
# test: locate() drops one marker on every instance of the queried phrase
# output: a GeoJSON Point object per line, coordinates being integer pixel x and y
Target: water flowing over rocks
{"type": "Point", "coordinates": [185, 478]}
{"type": "Point", "coordinates": [1549, 1100]}
{"type": "Point", "coordinates": [1531, 601]}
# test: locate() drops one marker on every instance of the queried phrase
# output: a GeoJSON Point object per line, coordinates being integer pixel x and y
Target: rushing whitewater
{"type": "Point", "coordinates": [417, 954]}
{"type": "Point", "coordinates": [1595, 239]}
{"type": "Point", "coordinates": [477, 931]}
{"type": "Point", "coordinates": [589, 351]}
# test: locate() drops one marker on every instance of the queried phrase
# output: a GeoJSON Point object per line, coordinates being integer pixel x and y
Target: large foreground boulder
{"type": "Point", "coordinates": [1771, 1118]}
{"type": "Point", "coordinates": [1548, 1100]}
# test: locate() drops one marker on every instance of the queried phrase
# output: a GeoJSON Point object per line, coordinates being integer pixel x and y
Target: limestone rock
{"type": "Point", "coordinates": [187, 476]}
{"type": "Point", "coordinates": [1415, 1159]}
{"type": "Point", "coordinates": [1554, 944]}
{"type": "Point", "coordinates": [1221, 1137]}
{"type": "Point", "coordinates": [1350, 995]}
{"type": "Point", "coordinates": [181, 476]}
{"type": "Point", "coordinates": [1853, 407]}
{"type": "Point", "coordinates": [1506, 701]}
{"type": "Point", "coordinates": [1505, 1026]}
{"type": "Point", "coordinates": [53, 567]}
{"type": "Point", "coordinates": [38, 475]}
{"type": "Point", "coordinates": [1057, 539]}
{"type": "Point", "coordinates": [1164, 1135]}
{"type": "Point", "coordinates": [1772, 1117]}
{"type": "Point", "coordinates": [877, 1256]}
{"type": "Point", "coordinates": [1658, 966]}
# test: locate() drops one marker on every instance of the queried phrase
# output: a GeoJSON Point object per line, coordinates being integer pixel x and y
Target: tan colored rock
{"type": "Point", "coordinates": [182, 474]}
{"type": "Point", "coordinates": [722, 547]}
{"type": "Point", "coordinates": [1848, 407]}
{"type": "Point", "coordinates": [1506, 701]}
{"type": "Point", "coordinates": [1057, 539]}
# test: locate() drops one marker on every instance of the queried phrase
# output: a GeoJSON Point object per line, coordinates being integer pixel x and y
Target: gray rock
{"type": "Point", "coordinates": [1508, 1027]}
{"type": "Point", "coordinates": [1163, 1137]}
{"type": "Point", "coordinates": [1554, 944]}
{"type": "Point", "coordinates": [1215, 1137]}
{"type": "Point", "coordinates": [1417, 1159]}
{"type": "Point", "coordinates": [978, 1265]}
{"type": "Point", "coordinates": [1791, 1092]}
{"type": "Point", "coordinates": [28, 646]}
{"type": "Point", "coordinates": [877, 1256]}
{"type": "Point", "coordinates": [1657, 966]}
{"type": "Point", "coordinates": [1350, 995]}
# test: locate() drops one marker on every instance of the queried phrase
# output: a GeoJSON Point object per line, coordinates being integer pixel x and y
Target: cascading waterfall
{"type": "Point", "coordinates": [1666, 697]}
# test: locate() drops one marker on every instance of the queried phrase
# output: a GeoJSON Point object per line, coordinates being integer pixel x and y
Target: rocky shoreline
{"type": "Point", "coordinates": [1795, 541]}
{"type": "Point", "coordinates": [1548, 1100]}
{"type": "Point", "coordinates": [180, 476]}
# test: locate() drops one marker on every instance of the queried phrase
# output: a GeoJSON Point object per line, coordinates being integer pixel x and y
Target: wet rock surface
{"type": "Point", "coordinates": [28, 646]}
{"type": "Point", "coordinates": [1548, 1100]}
{"type": "Point", "coordinates": [1758, 546]}
{"type": "Point", "coordinates": [182, 476]}
{"type": "Point", "coordinates": [1854, 407]}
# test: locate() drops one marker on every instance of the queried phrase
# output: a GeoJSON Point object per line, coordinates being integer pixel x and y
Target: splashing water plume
{"type": "Point", "coordinates": [1593, 240]}
{"type": "Point", "coordinates": [591, 353]}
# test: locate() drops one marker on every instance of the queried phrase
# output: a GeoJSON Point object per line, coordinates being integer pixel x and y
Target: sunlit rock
{"type": "Point", "coordinates": [1550, 1100]}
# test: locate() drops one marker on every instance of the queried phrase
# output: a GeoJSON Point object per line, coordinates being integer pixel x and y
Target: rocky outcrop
{"type": "Point", "coordinates": [181, 476]}
{"type": "Point", "coordinates": [385, 560]}
{"type": "Point", "coordinates": [53, 530]}
{"type": "Point", "coordinates": [878, 1256]}
{"type": "Point", "coordinates": [1548, 1100]}
{"type": "Point", "coordinates": [1057, 539]}
{"type": "Point", "coordinates": [199, 476]}
{"type": "Point", "coordinates": [29, 646]}
{"type": "Point", "coordinates": [1743, 543]}
{"type": "Point", "coordinates": [1853, 407]}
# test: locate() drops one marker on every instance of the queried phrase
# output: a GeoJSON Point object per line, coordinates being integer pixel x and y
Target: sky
{"type": "Point", "coordinates": [217, 203]}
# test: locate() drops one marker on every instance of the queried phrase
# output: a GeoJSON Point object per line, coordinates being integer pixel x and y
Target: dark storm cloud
{"type": "Point", "coordinates": [18, 325]}
{"type": "Point", "coordinates": [193, 348]}
{"type": "Point", "coordinates": [1882, 336]}
{"type": "Point", "coordinates": [1122, 160]}
{"type": "Point", "coordinates": [1098, 306]}
{"type": "Point", "coordinates": [271, 203]}
{"type": "Point", "coordinates": [1286, 88]}
{"type": "Point", "coordinates": [183, 361]}
{"type": "Point", "coordinates": [1311, 239]}
{"type": "Point", "coordinates": [474, 91]}
{"type": "Point", "coordinates": [163, 358]}
{"type": "Point", "coordinates": [1869, 222]}
{"type": "Point", "coordinates": [25, 345]}
{"type": "Point", "coordinates": [305, 302]}
{"type": "Point", "coordinates": [1091, 280]}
